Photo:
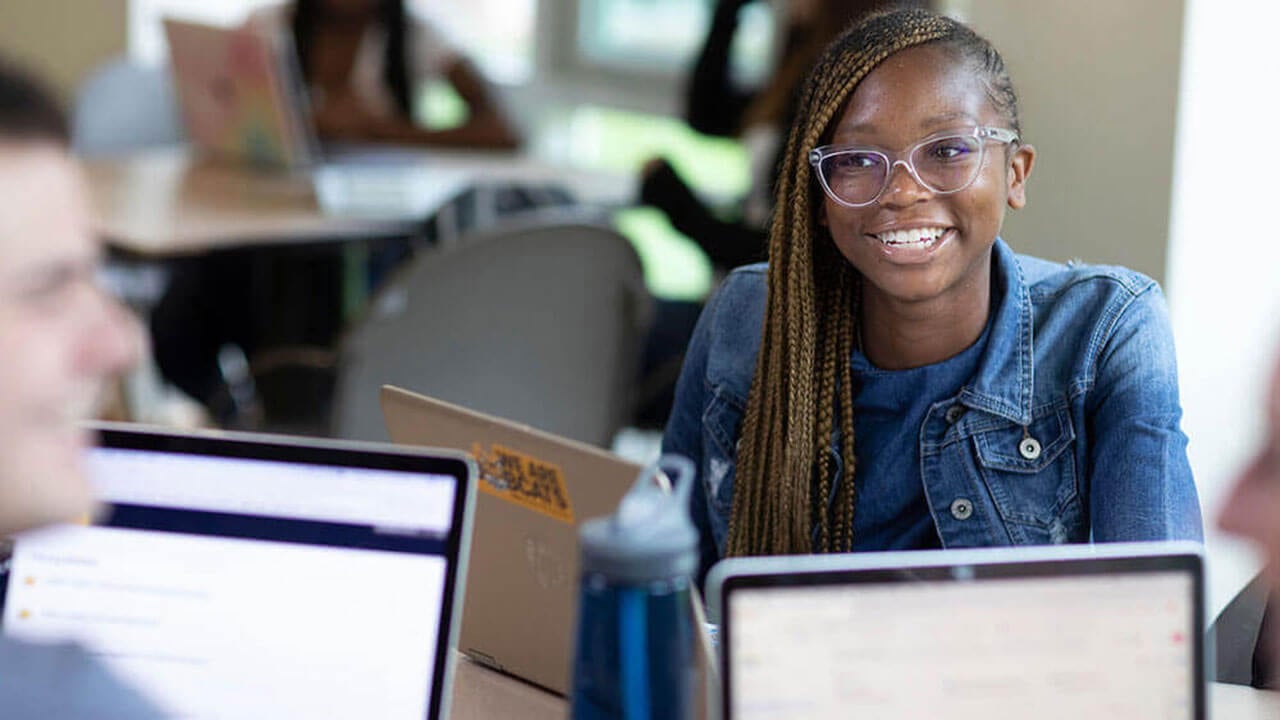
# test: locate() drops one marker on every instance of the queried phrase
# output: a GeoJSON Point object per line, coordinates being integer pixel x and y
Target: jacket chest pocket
{"type": "Point", "coordinates": [1032, 477]}
{"type": "Point", "coordinates": [721, 424]}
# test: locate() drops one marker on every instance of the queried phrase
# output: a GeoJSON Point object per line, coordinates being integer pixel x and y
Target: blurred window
{"type": "Point", "coordinates": [665, 35]}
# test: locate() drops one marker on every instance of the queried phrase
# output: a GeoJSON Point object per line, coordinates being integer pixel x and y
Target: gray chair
{"type": "Point", "coordinates": [1235, 637]}
{"type": "Point", "coordinates": [122, 107]}
{"type": "Point", "coordinates": [539, 321]}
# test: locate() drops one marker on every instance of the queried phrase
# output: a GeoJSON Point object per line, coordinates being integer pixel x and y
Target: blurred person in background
{"type": "Point", "coordinates": [365, 62]}
{"type": "Point", "coordinates": [63, 338]}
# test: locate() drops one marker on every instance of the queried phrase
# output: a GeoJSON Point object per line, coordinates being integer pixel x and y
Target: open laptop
{"type": "Point", "coordinates": [1106, 632]}
{"type": "Point", "coordinates": [254, 576]}
{"type": "Point", "coordinates": [239, 94]}
{"type": "Point", "coordinates": [243, 99]}
{"type": "Point", "coordinates": [535, 489]}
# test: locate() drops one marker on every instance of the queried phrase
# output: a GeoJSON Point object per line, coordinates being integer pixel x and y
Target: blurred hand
{"type": "Point", "coordinates": [651, 166]}
{"type": "Point", "coordinates": [343, 117]}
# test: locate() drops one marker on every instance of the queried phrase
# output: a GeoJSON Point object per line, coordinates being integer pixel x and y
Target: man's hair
{"type": "Point", "coordinates": [28, 111]}
{"type": "Point", "coordinates": [802, 390]}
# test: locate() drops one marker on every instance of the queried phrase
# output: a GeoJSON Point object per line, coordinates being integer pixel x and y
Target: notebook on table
{"type": "Point", "coordinates": [255, 576]}
{"type": "Point", "coordinates": [1101, 632]}
{"type": "Point", "coordinates": [535, 489]}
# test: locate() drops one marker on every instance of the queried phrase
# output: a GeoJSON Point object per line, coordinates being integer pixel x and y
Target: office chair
{"type": "Point", "coordinates": [539, 320]}
{"type": "Point", "coordinates": [124, 106]}
{"type": "Point", "coordinates": [1238, 638]}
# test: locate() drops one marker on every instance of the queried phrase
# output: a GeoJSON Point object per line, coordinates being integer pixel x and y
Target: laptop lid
{"type": "Point", "coordinates": [1100, 632]}
{"type": "Point", "coordinates": [535, 489]}
{"type": "Point", "coordinates": [255, 576]}
{"type": "Point", "coordinates": [241, 94]}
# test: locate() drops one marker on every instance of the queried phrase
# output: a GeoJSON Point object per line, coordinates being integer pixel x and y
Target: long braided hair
{"type": "Point", "coordinates": [803, 380]}
{"type": "Point", "coordinates": [307, 18]}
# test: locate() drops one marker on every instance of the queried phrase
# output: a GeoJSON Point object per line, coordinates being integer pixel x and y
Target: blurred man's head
{"type": "Point", "coordinates": [61, 337]}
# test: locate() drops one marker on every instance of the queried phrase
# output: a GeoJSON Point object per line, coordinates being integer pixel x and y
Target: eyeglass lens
{"type": "Point", "coordinates": [942, 165]}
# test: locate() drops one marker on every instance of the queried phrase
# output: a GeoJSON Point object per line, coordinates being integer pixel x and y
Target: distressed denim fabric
{"type": "Point", "coordinates": [1080, 358]}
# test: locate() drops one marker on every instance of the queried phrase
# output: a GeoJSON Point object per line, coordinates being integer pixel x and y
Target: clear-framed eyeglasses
{"type": "Point", "coordinates": [944, 163]}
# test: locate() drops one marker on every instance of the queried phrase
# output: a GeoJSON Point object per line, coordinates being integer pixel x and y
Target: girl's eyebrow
{"type": "Point", "coordinates": [939, 121]}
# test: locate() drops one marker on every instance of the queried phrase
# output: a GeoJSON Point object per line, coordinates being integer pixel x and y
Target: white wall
{"type": "Point", "coordinates": [1224, 264]}
{"type": "Point", "coordinates": [63, 40]}
{"type": "Point", "coordinates": [1098, 84]}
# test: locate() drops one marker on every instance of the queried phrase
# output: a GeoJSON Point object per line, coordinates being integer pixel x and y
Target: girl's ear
{"type": "Point", "coordinates": [1024, 158]}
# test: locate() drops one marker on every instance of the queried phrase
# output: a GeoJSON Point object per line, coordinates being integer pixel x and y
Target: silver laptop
{"type": "Point", "coordinates": [1100, 632]}
{"type": "Point", "coordinates": [535, 490]}
{"type": "Point", "coordinates": [247, 576]}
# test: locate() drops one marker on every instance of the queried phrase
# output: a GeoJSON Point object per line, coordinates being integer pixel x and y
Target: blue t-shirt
{"type": "Point", "coordinates": [890, 509]}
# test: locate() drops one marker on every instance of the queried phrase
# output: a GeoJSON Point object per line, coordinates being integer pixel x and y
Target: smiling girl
{"type": "Point", "coordinates": [897, 377]}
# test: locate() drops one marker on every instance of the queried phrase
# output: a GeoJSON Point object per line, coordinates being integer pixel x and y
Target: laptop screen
{"type": "Point", "coordinates": [1093, 638]}
{"type": "Point", "coordinates": [254, 578]}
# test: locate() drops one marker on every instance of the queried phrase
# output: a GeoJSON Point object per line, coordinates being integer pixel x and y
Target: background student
{"type": "Point", "coordinates": [63, 338]}
{"type": "Point", "coordinates": [897, 377]}
{"type": "Point", "coordinates": [365, 63]}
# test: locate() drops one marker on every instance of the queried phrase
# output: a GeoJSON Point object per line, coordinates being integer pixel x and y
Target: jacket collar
{"type": "Point", "coordinates": [1005, 377]}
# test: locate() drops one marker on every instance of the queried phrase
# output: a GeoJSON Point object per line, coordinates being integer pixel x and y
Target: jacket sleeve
{"type": "Point", "coordinates": [683, 434]}
{"type": "Point", "coordinates": [1140, 481]}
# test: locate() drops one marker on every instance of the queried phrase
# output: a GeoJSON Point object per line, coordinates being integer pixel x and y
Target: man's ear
{"type": "Point", "coordinates": [1024, 158]}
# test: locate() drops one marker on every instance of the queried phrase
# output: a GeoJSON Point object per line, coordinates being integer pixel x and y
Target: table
{"type": "Point", "coordinates": [482, 694]}
{"type": "Point", "coordinates": [299, 242]}
{"type": "Point", "coordinates": [168, 202]}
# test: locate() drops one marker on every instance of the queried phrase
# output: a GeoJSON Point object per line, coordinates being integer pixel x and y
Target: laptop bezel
{"type": "Point", "coordinates": [739, 574]}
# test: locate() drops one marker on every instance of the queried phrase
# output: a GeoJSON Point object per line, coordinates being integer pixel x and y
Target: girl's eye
{"type": "Point", "coordinates": [854, 161]}
{"type": "Point", "coordinates": [949, 150]}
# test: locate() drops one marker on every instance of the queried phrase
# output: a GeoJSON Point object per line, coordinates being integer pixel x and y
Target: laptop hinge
{"type": "Point", "coordinates": [484, 659]}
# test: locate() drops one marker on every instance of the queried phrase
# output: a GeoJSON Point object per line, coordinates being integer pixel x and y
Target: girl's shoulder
{"type": "Point", "coordinates": [1047, 280]}
{"type": "Point", "coordinates": [731, 327]}
{"type": "Point", "coordinates": [740, 300]}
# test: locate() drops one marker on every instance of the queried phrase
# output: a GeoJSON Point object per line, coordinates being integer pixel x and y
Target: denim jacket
{"type": "Point", "coordinates": [1067, 432]}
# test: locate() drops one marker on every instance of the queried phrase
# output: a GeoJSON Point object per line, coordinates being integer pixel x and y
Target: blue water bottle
{"type": "Point", "coordinates": [635, 652]}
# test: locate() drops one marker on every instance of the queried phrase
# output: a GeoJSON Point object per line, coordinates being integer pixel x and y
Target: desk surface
{"type": "Point", "coordinates": [168, 202]}
{"type": "Point", "coordinates": [481, 694]}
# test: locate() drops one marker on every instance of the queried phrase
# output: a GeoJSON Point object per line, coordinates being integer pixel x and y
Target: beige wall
{"type": "Point", "coordinates": [1098, 81]}
{"type": "Point", "coordinates": [63, 39]}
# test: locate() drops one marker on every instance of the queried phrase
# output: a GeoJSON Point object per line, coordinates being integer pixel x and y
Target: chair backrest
{"type": "Point", "coordinates": [124, 106]}
{"type": "Point", "coordinates": [1233, 638]}
{"type": "Point", "coordinates": [538, 321]}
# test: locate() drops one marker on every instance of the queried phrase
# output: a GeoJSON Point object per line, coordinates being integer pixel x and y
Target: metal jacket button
{"type": "Point", "coordinates": [961, 508]}
{"type": "Point", "coordinates": [1029, 448]}
{"type": "Point", "coordinates": [953, 413]}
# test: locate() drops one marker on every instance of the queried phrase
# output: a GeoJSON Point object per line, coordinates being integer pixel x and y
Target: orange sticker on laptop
{"type": "Point", "coordinates": [523, 480]}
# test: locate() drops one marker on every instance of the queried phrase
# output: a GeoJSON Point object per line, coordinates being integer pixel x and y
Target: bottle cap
{"type": "Point", "coordinates": [650, 536]}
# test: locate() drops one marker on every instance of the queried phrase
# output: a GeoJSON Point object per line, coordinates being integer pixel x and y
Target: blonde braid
{"type": "Point", "coordinates": [803, 367]}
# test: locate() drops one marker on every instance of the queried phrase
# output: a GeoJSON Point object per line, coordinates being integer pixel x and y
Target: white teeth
{"type": "Point", "coordinates": [911, 236]}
